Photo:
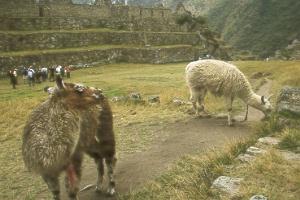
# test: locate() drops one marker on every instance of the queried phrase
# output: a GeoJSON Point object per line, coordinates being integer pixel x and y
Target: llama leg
{"type": "Point", "coordinates": [194, 99]}
{"type": "Point", "coordinates": [53, 185]}
{"type": "Point", "coordinates": [73, 176]}
{"type": "Point", "coordinates": [200, 101]}
{"type": "Point", "coordinates": [229, 109]}
{"type": "Point", "coordinates": [246, 115]}
{"type": "Point", "coordinates": [110, 163]}
{"type": "Point", "coordinates": [72, 182]}
{"type": "Point", "coordinates": [100, 168]}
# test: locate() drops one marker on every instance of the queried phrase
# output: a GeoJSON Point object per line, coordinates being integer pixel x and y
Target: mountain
{"type": "Point", "coordinates": [260, 26]}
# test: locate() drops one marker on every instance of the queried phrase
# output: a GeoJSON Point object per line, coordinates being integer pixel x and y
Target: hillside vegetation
{"type": "Point", "coordinates": [259, 26]}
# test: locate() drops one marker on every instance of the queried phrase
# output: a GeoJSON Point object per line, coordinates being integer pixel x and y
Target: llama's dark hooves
{"type": "Point", "coordinates": [56, 195]}
{"type": "Point", "coordinates": [111, 192]}
{"type": "Point", "coordinates": [191, 111]}
{"type": "Point", "coordinates": [56, 198]}
{"type": "Point", "coordinates": [99, 190]}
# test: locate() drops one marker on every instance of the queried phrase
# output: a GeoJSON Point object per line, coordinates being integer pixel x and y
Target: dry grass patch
{"type": "Point", "coordinates": [271, 176]}
{"type": "Point", "coordinates": [290, 139]}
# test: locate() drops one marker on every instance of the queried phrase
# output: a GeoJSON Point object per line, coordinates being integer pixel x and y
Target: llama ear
{"type": "Point", "coordinates": [59, 82]}
{"type": "Point", "coordinates": [79, 87]}
{"type": "Point", "coordinates": [49, 90]}
{"type": "Point", "coordinates": [263, 102]}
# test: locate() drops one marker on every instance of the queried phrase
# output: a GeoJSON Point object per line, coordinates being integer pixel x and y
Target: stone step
{"type": "Point", "coordinates": [59, 39]}
{"type": "Point", "coordinates": [101, 54]}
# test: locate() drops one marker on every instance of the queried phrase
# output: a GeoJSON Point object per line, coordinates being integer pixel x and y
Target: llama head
{"type": "Point", "coordinates": [76, 96]}
{"type": "Point", "coordinates": [266, 106]}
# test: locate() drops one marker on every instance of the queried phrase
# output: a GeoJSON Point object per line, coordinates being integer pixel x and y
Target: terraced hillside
{"type": "Point", "coordinates": [63, 33]}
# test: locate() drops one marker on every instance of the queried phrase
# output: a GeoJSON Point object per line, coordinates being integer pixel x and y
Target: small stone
{"type": "Point", "coordinates": [178, 102]}
{"type": "Point", "coordinates": [245, 158]}
{"type": "Point", "coordinates": [258, 197]}
{"type": "Point", "coordinates": [269, 140]}
{"type": "Point", "coordinates": [255, 151]}
{"type": "Point", "coordinates": [118, 99]}
{"type": "Point", "coordinates": [132, 112]}
{"type": "Point", "coordinates": [257, 75]}
{"type": "Point", "coordinates": [227, 184]}
{"type": "Point", "coordinates": [135, 96]}
{"type": "Point", "coordinates": [154, 99]}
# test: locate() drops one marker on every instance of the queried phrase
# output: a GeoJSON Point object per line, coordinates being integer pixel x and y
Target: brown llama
{"type": "Point", "coordinates": [74, 120]}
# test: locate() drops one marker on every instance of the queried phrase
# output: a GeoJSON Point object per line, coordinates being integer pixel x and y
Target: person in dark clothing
{"type": "Point", "coordinates": [51, 73]}
{"type": "Point", "coordinates": [38, 76]}
{"type": "Point", "coordinates": [24, 74]}
{"type": "Point", "coordinates": [13, 78]}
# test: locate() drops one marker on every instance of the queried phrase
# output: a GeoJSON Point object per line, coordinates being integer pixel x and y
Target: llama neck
{"type": "Point", "coordinates": [254, 100]}
{"type": "Point", "coordinates": [63, 119]}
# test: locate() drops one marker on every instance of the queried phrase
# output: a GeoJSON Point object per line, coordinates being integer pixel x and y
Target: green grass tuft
{"type": "Point", "coordinates": [269, 126]}
{"type": "Point", "coordinates": [290, 140]}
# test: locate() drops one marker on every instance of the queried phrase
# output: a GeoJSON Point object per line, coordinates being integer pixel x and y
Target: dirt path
{"type": "Point", "coordinates": [191, 136]}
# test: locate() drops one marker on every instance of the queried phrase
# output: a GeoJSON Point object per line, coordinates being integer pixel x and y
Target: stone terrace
{"type": "Point", "coordinates": [63, 33]}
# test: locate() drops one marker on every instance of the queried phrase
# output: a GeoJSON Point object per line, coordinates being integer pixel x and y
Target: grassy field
{"type": "Point", "coordinates": [119, 79]}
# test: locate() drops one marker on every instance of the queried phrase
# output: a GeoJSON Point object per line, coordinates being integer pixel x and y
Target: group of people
{"type": "Point", "coordinates": [32, 75]}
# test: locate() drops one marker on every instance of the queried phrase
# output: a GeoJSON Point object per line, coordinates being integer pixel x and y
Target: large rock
{"type": "Point", "coordinates": [245, 158]}
{"type": "Point", "coordinates": [227, 185]}
{"type": "Point", "coordinates": [154, 99]}
{"type": "Point", "coordinates": [255, 151]}
{"type": "Point", "coordinates": [289, 100]}
{"type": "Point", "coordinates": [269, 140]}
{"type": "Point", "coordinates": [178, 102]}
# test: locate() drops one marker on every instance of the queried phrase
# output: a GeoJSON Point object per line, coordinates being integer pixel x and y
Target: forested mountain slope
{"type": "Point", "coordinates": [261, 26]}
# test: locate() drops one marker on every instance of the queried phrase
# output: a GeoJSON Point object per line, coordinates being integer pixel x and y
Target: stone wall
{"type": "Point", "coordinates": [78, 11]}
{"type": "Point", "coordinates": [83, 11]}
{"type": "Point", "coordinates": [105, 55]}
{"type": "Point", "coordinates": [11, 10]}
{"type": "Point", "coordinates": [73, 39]}
{"type": "Point", "coordinates": [69, 23]}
